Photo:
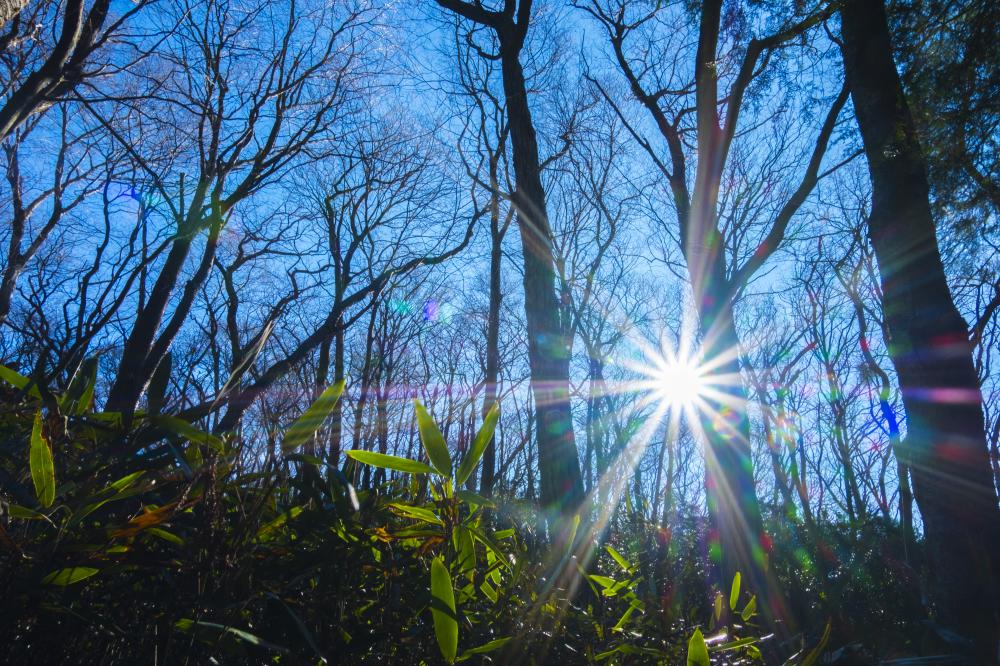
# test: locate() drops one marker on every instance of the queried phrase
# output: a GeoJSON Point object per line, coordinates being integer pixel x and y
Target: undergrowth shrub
{"type": "Point", "coordinates": [147, 539]}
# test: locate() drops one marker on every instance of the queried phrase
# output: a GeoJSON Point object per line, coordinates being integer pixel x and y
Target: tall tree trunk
{"type": "Point", "coordinates": [337, 417]}
{"type": "Point", "coordinates": [739, 543]}
{"type": "Point", "coordinates": [548, 351]}
{"type": "Point", "coordinates": [492, 347]}
{"type": "Point", "coordinates": [945, 444]}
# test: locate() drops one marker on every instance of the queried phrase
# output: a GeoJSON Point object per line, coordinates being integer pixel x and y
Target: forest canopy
{"type": "Point", "coordinates": [510, 331]}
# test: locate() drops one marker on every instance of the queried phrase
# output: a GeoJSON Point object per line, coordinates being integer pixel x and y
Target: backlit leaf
{"type": "Point", "coordinates": [18, 381]}
{"type": "Point", "coordinates": [479, 444]}
{"type": "Point", "coordinates": [306, 425]}
{"type": "Point", "coordinates": [417, 513]}
{"type": "Point", "coordinates": [697, 654]}
{"type": "Point", "coordinates": [43, 473]}
{"type": "Point", "coordinates": [443, 610]}
{"type": "Point", "coordinates": [68, 576]}
{"type": "Point", "coordinates": [389, 462]}
{"type": "Point", "coordinates": [433, 441]}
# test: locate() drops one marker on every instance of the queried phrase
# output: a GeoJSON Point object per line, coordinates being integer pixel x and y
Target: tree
{"type": "Point", "coordinates": [720, 254]}
{"type": "Point", "coordinates": [41, 72]}
{"type": "Point", "coordinates": [239, 142]}
{"type": "Point", "coordinates": [548, 349]}
{"type": "Point", "coordinates": [929, 344]}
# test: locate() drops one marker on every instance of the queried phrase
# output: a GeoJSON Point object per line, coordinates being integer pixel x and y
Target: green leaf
{"type": "Point", "coordinates": [479, 444]}
{"type": "Point", "coordinates": [222, 630]}
{"type": "Point", "coordinates": [750, 609]}
{"type": "Point", "coordinates": [483, 649]}
{"type": "Point", "coordinates": [617, 557]}
{"type": "Point", "coordinates": [43, 473]}
{"type": "Point", "coordinates": [125, 481]}
{"type": "Point", "coordinates": [443, 610]}
{"type": "Point", "coordinates": [389, 462]}
{"type": "Point", "coordinates": [18, 381]}
{"type": "Point", "coordinates": [620, 625]}
{"type": "Point", "coordinates": [817, 652]}
{"type": "Point", "coordinates": [571, 536]}
{"type": "Point", "coordinates": [734, 645]}
{"type": "Point", "coordinates": [466, 550]}
{"type": "Point", "coordinates": [490, 593]}
{"type": "Point", "coordinates": [24, 513]}
{"type": "Point", "coordinates": [734, 592]}
{"type": "Point", "coordinates": [64, 577]}
{"type": "Point", "coordinates": [718, 606]}
{"type": "Point", "coordinates": [603, 581]}
{"type": "Point", "coordinates": [80, 394]}
{"type": "Point", "coordinates": [270, 528]}
{"type": "Point", "coordinates": [165, 535]}
{"type": "Point", "coordinates": [417, 513]}
{"type": "Point", "coordinates": [306, 425]}
{"type": "Point", "coordinates": [470, 497]}
{"type": "Point", "coordinates": [697, 650]}
{"type": "Point", "coordinates": [433, 441]}
{"type": "Point", "coordinates": [185, 430]}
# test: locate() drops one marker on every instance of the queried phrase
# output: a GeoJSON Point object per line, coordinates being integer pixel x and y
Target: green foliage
{"type": "Point", "coordinates": [165, 540]}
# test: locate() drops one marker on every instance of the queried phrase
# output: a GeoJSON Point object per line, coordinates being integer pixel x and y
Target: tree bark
{"type": "Point", "coordinates": [548, 351]}
{"type": "Point", "coordinates": [489, 463]}
{"type": "Point", "coordinates": [945, 444]}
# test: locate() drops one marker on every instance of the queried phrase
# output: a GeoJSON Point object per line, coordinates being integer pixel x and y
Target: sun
{"type": "Point", "coordinates": [679, 382]}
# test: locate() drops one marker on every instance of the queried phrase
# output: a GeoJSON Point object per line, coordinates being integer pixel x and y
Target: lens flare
{"type": "Point", "coordinates": [679, 382]}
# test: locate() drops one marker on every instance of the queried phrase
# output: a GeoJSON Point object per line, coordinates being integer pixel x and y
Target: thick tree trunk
{"type": "Point", "coordinates": [548, 351]}
{"type": "Point", "coordinates": [132, 374]}
{"type": "Point", "coordinates": [946, 442]}
{"type": "Point", "coordinates": [740, 544]}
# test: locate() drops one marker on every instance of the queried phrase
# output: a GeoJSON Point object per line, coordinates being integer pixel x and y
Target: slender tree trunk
{"type": "Point", "coordinates": [492, 348]}
{"type": "Point", "coordinates": [337, 417]}
{"type": "Point", "coordinates": [946, 440]}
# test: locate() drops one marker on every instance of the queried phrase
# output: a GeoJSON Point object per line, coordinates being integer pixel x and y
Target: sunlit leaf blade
{"type": "Point", "coordinates": [24, 513]}
{"type": "Point", "coordinates": [80, 394]}
{"type": "Point", "coordinates": [470, 497]}
{"type": "Point", "coordinates": [247, 360]}
{"type": "Point", "coordinates": [750, 609]}
{"type": "Point", "coordinates": [734, 592]}
{"type": "Point", "coordinates": [735, 645]}
{"type": "Point", "coordinates": [389, 462]}
{"type": "Point", "coordinates": [68, 576]}
{"type": "Point", "coordinates": [443, 610]}
{"type": "Point", "coordinates": [433, 441]}
{"type": "Point", "coordinates": [618, 557]}
{"type": "Point", "coordinates": [232, 632]}
{"type": "Point", "coordinates": [306, 425]}
{"type": "Point", "coordinates": [816, 652]}
{"type": "Point", "coordinates": [571, 535]}
{"type": "Point", "coordinates": [43, 473]}
{"type": "Point", "coordinates": [185, 430]}
{"type": "Point", "coordinates": [270, 528]}
{"type": "Point", "coordinates": [697, 654]}
{"type": "Point", "coordinates": [483, 649]}
{"type": "Point", "coordinates": [479, 444]}
{"type": "Point", "coordinates": [18, 381]}
{"type": "Point", "coordinates": [466, 550]}
{"type": "Point", "coordinates": [417, 513]}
